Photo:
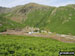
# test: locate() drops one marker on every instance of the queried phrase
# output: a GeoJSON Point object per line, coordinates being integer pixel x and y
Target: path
{"type": "Point", "coordinates": [67, 38]}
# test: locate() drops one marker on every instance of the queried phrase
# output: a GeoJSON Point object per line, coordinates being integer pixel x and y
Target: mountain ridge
{"type": "Point", "coordinates": [54, 19]}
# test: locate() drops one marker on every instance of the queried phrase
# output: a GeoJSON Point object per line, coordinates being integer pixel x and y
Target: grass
{"type": "Point", "coordinates": [8, 24]}
{"type": "Point", "coordinates": [12, 45]}
{"type": "Point", "coordinates": [61, 21]}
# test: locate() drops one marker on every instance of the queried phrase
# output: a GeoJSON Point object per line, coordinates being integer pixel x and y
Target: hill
{"type": "Point", "coordinates": [19, 13]}
{"type": "Point", "coordinates": [3, 10]}
{"type": "Point", "coordinates": [8, 24]}
{"type": "Point", "coordinates": [59, 20]}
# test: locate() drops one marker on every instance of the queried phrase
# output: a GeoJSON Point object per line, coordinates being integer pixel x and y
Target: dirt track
{"type": "Point", "coordinates": [57, 37]}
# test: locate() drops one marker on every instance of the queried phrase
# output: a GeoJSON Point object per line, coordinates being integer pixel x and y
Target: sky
{"type": "Point", "coordinates": [57, 3]}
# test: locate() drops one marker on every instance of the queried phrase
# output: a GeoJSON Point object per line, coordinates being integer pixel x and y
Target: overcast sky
{"type": "Point", "coordinates": [12, 3]}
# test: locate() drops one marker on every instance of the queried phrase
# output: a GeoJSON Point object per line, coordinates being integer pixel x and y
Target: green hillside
{"type": "Point", "coordinates": [8, 24]}
{"type": "Point", "coordinates": [62, 21]}
{"type": "Point", "coordinates": [32, 46]}
{"type": "Point", "coordinates": [59, 20]}
{"type": "Point", "coordinates": [19, 13]}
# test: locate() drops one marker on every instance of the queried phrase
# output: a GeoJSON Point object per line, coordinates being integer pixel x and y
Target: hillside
{"type": "Point", "coordinates": [8, 24]}
{"type": "Point", "coordinates": [59, 20]}
{"type": "Point", "coordinates": [2, 10]}
{"type": "Point", "coordinates": [19, 13]}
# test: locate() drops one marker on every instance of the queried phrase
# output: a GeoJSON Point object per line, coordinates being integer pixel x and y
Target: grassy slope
{"type": "Point", "coordinates": [63, 21]}
{"type": "Point", "coordinates": [60, 20]}
{"type": "Point", "coordinates": [38, 18]}
{"type": "Point", "coordinates": [8, 24]}
{"type": "Point", "coordinates": [32, 46]}
{"type": "Point", "coordinates": [19, 13]}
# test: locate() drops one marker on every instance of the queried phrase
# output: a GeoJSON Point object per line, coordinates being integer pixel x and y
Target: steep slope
{"type": "Point", "coordinates": [38, 18]}
{"type": "Point", "coordinates": [59, 20]}
{"type": "Point", "coordinates": [62, 21]}
{"type": "Point", "coordinates": [8, 24]}
{"type": "Point", "coordinates": [19, 13]}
